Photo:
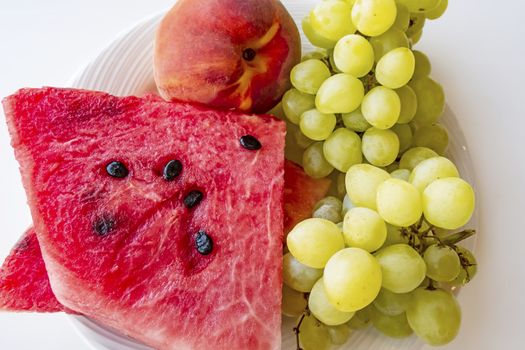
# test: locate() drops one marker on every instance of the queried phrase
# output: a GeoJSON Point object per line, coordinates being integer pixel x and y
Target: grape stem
{"type": "Point", "coordinates": [458, 236]}
{"type": "Point", "coordinates": [297, 330]}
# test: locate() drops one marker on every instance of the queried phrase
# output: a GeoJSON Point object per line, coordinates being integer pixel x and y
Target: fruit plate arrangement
{"type": "Point", "coordinates": [124, 68]}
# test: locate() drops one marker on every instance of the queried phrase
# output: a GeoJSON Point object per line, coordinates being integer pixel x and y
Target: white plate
{"type": "Point", "coordinates": [125, 68]}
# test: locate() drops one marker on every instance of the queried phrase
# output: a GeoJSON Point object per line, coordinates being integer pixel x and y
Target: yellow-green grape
{"type": "Point", "coordinates": [354, 55]}
{"type": "Point", "coordinates": [295, 103]}
{"type": "Point", "coordinates": [318, 54]}
{"type": "Point", "coordinates": [362, 318]}
{"type": "Point", "coordinates": [340, 334]}
{"type": "Point", "coordinates": [380, 147]}
{"type": "Point", "coordinates": [329, 208]}
{"type": "Point", "coordinates": [437, 11]}
{"type": "Point", "coordinates": [395, 68]}
{"type": "Point", "coordinates": [401, 174]}
{"type": "Point", "coordinates": [374, 17]}
{"type": "Point", "coordinates": [399, 202]}
{"type": "Point", "coordinates": [402, 267]}
{"type": "Point", "coordinates": [408, 99]}
{"type": "Point", "coordinates": [443, 263]}
{"type": "Point", "coordinates": [355, 121]}
{"type": "Point", "coordinates": [448, 203]}
{"type": "Point", "coordinates": [331, 19]}
{"type": "Point", "coordinates": [294, 303]}
{"type": "Point", "coordinates": [434, 315]}
{"type": "Point", "coordinates": [423, 66]}
{"type": "Point", "coordinates": [292, 151]}
{"type": "Point", "coordinates": [417, 22]}
{"type": "Point", "coordinates": [332, 62]}
{"type": "Point", "coordinates": [415, 155]}
{"type": "Point", "coordinates": [394, 236]}
{"type": "Point", "coordinates": [392, 304]}
{"type": "Point", "coordinates": [430, 170]}
{"type": "Point", "coordinates": [308, 75]}
{"type": "Point", "coordinates": [404, 134]}
{"type": "Point", "coordinates": [301, 141]}
{"type": "Point", "coordinates": [352, 279]}
{"type": "Point", "coordinates": [419, 5]}
{"type": "Point", "coordinates": [469, 266]}
{"type": "Point", "coordinates": [391, 167]}
{"type": "Point", "coordinates": [316, 125]}
{"type": "Point", "coordinates": [392, 326]}
{"type": "Point", "coordinates": [299, 276]}
{"type": "Point", "coordinates": [414, 39]}
{"type": "Point", "coordinates": [362, 181]}
{"type": "Point", "coordinates": [364, 228]}
{"type": "Point", "coordinates": [313, 335]}
{"type": "Point", "coordinates": [381, 107]}
{"type": "Point", "coordinates": [402, 17]}
{"type": "Point", "coordinates": [386, 42]}
{"type": "Point", "coordinates": [323, 310]}
{"type": "Point", "coordinates": [434, 137]}
{"type": "Point", "coordinates": [315, 38]}
{"type": "Point", "coordinates": [343, 149]}
{"type": "Point", "coordinates": [314, 162]}
{"type": "Point", "coordinates": [313, 241]}
{"type": "Point", "coordinates": [347, 204]}
{"type": "Point", "coordinates": [341, 93]}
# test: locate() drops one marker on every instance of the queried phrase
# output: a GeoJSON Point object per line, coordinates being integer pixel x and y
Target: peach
{"type": "Point", "coordinates": [232, 54]}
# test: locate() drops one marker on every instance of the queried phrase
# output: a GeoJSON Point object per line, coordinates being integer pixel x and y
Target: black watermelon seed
{"type": "Point", "coordinates": [103, 226]}
{"type": "Point", "coordinates": [117, 169]}
{"type": "Point", "coordinates": [203, 243]}
{"type": "Point", "coordinates": [193, 198]}
{"type": "Point", "coordinates": [249, 54]}
{"type": "Point", "coordinates": [172, 170]}
{"type": "Point", "coordinates": [250, 143]}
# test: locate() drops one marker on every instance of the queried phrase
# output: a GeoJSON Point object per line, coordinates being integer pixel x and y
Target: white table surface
{"type": "Point", "coordinates": [477, 51]}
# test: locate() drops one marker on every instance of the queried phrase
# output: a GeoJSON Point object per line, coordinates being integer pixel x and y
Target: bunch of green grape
{"type": "Point", "coordinates": [381, 250]}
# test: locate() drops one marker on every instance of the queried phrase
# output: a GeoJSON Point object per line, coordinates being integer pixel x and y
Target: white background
{"type": "Point", "coordinates": [477, 51]}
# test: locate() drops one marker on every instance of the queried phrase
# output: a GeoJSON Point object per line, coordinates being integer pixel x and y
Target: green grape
{"type": "Point", "coordinates": [299, 276]}
{"type": "Point", "coordinates": [392, 304]}
{"type": "Point", "coordinates": [419, 5]}
{"type": "Point", "coordinates": [301, 141]}
{"type": "Point", "coordinates": [402, 267]}
{"type": "Point", "coordinates": [323, 310]}
{"type": "Point", "coordinates": [316, 125]}
{"type": "Point", "coordinates": [331, 59]}
{"type": "Point", "coordinates": [401, 174]}
{"type": "Point", "coordinates": [313, 241]}
{"type": "Point", "coordinates": [315, 38]}
{"type": "Point", "coordinates": [341, 93]}
{"type": "Point", "coordinates": [364, 228]}
{"type": "Point", "coordinates": [414, 39]}
{"type": "Point", "coordinates": [374, 17]}
{"type": "Point", "coordinates": [331, 19]}
{"type": "Point", "coordinates": [417, 22]}
{"type": "Point", "coordinates": [347, 204]}
{"type": "Point", "coordinates": [314, 162]}
{"type": "Point", "coordinates": [434, 137]}
{"type": "Point", "coordinates": [430, 170]}
{"type": "Point", "coordinates": [381, 107]}
{"type": "Point", "coordinates": [313, 335]}
{"type": "Point", "coordinates": [448, 203]}
{"type": "Point", "coordinates": [434, 315]}
{"type": "Point", "coordinates": [339, 334]}
{"type": "Point", "coordinates": [362, 318]}
{"type": "Point", "coordinates": [404, 134]}
{"type": "Point", "coordinates": [395, 68]}
{"type": "Point", "coordinates": [294, 303]}
{"type": "Point", "coordinates": [469, 266]}
{"type": "Point", "coordinates": [329, 208]}
{"type": "Point", "coordinates": [392, 326]}
{"type": "Point", "coordinates": [394, 236]}
{"type": "Point", "coordinates": [295, 103]}
{"type": "Point", "coordinates": [354, 55]}
{"type": "Point", "coordinates": [352, 279]}
{"type": "Point", "coordinates": [362, 181]}
{"type": "Point", "coordinates": [443, 263]}
{"type": "Point", "coordinates": [423, 66]}
{"type": "Point", "coordinates": [388, 41]}
{"type": "Point", "coordinates": [343, 149]}
{"type": "Point", "coordinates": [317, 54]}
{"type": "Point", "coordinates": [415, 155]}
{"type": "Point", "coordinates": [437, 11]}
{"type": "Point", "coordinates": [355, 121]}
{"type": "Point", "coordinates": [408, 99]}
{"type": "Point", "coordinates": [380, 147]}
{"type": "Point", "coordinates": [308, 75]}
{"type": "Point", "coordinates": [399, 202]}
{"type": "Point", "coordinates": [402, 17]}
{"type": "Point", "coordinates": [292, 151]}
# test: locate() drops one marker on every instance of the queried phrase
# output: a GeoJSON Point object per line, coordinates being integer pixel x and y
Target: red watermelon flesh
{"type": "Point", "coordinates": [122, 250]}
{"type": "Point", "coordinates": [33, 288]}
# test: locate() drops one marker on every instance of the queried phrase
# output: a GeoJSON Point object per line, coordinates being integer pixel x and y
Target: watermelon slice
{"type": "Point", "coordinates": [160, 220]}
